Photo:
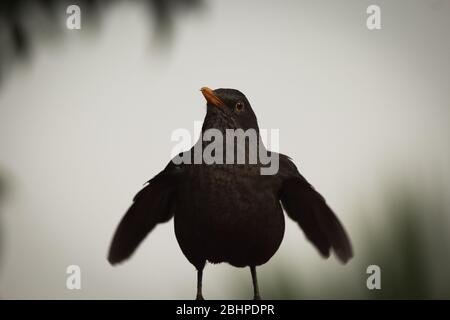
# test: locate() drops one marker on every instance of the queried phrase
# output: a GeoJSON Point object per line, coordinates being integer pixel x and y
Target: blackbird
{"type": "Point", "coordinates": [229, 212]}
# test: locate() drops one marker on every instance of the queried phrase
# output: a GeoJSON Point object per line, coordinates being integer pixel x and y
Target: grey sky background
{"type": "Point", "coordinates": [89, 118]}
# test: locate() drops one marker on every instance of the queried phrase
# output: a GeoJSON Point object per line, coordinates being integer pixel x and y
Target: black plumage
{"type": "Point", "coordinates": [230, 212]}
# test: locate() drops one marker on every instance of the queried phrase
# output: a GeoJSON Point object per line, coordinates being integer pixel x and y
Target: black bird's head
{"type": "Point", "coordinates": [228, 109]}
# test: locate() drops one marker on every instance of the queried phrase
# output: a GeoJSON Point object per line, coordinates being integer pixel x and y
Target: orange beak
{"type": "Point", "coordinates": [211, 97]}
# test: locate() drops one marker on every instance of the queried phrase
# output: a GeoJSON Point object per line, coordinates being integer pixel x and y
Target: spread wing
{"type": "Point", "coordinates": [308, 208]}
{"type": "Point", "coordinates": [152, 205]}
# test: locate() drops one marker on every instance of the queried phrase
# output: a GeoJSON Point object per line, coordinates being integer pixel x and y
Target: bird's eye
{"type": "Point", "coordinates": [239, 107]}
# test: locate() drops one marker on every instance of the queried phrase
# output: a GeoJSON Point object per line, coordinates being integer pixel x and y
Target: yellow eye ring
{"type": "Point", "coordinates": [239, 107]}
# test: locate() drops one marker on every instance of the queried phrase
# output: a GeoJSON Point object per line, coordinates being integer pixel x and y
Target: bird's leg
{"type": "Point", "coordinates": [256, 295]}
{"type": "Point", "coordinates": [199, 284]}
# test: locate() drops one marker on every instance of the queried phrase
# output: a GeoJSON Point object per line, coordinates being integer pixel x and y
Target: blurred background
{"type": "Point", "coordinates": [86, 118]}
